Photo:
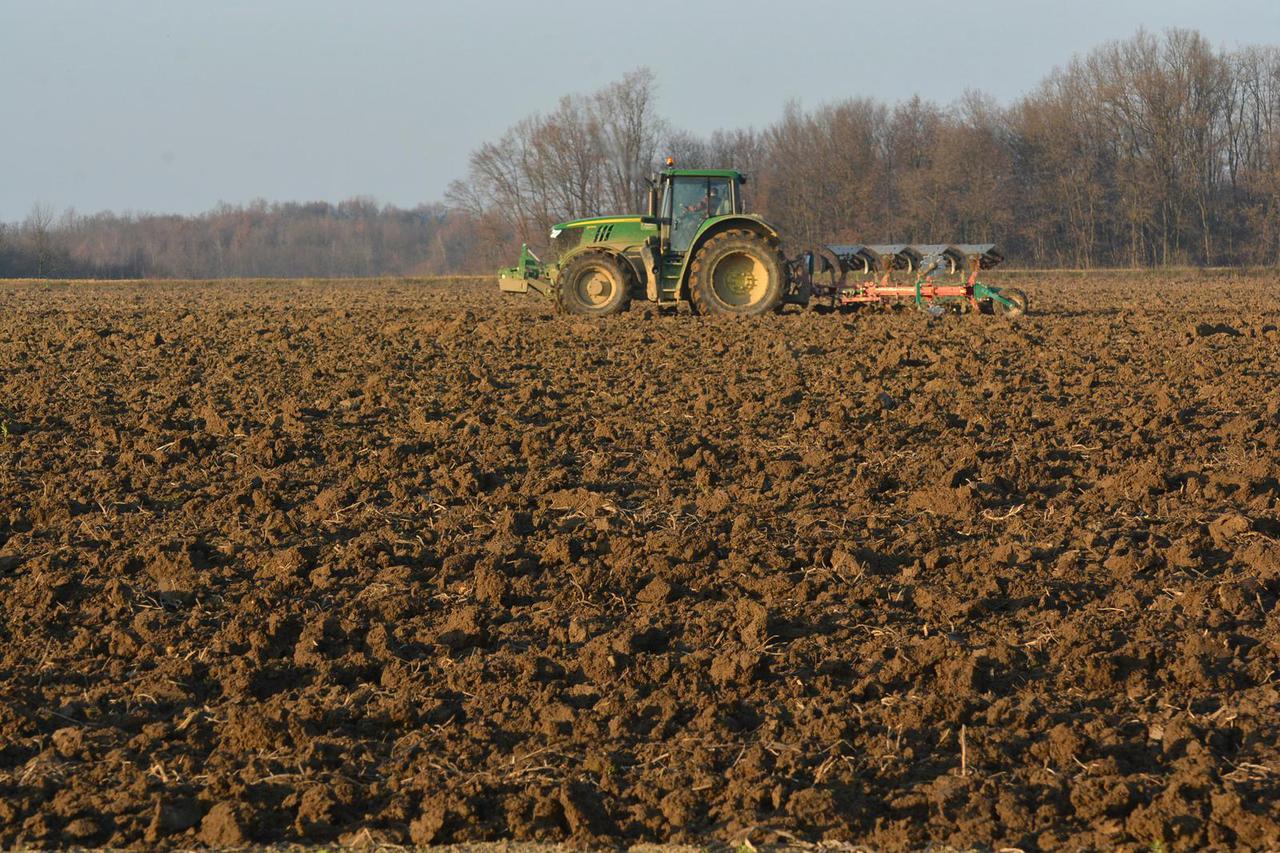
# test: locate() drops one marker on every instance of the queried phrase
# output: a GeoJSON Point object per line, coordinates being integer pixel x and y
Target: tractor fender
{"type": "Point", "coordinates": [717, 224]}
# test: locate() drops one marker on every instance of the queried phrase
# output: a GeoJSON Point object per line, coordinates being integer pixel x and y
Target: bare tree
{"type": "Point", "coordinates": [37, 229]}
{"type": "Point", "coordinates": [629, 129]}
{"type": "Point", "coordinates": [591, 153]}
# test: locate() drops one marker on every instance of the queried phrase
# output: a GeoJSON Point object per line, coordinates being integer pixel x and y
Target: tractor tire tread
{"type": "Point", "coordinates": [621, 270]}
{"type": "Point", "coordinates": [699, 300]}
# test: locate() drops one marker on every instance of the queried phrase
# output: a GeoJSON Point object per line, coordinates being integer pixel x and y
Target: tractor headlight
{"type": "Point", "coordinates": [555, 232]}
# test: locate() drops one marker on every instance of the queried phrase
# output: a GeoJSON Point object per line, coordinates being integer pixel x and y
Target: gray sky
{"type": "Point", "coordinates": [173, 106]}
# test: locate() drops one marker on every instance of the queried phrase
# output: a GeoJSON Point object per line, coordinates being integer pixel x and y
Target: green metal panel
{"type": "Point", "coordinates": [982, 291]}
{"type": "Point", "coordinates": [731, 174]}
{"type": "Point", "coordinates": [602, 220]}
{"type": "Point", "coordinates": [615, 234]}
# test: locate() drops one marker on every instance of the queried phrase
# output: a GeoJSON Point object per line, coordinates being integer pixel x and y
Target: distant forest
{"type": "Point", "coordinates": [1158, 150]}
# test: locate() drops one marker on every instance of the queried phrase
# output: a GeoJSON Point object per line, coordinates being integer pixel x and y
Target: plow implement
{"type": "Point", "coordinates": [933, 277]}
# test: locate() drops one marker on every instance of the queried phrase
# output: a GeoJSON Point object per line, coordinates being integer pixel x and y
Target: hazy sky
{"type": "Point", "coordinates": [173, 106]}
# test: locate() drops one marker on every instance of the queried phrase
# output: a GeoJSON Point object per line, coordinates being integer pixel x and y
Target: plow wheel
{"type": "Point", "coordinates": [1019, 306]}
{"type": "Point", "coordinates": [593, 284]}
{"type": "Point", "coordinates": [736, 272]}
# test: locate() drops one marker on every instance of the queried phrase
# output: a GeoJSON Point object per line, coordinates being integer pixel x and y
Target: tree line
{"type": "Point", "coordinates": [356, 237]}
{"type": "Point", "coordinates": [1154, 151]}
{"type": "Point", "coordinates": [1157, 150]}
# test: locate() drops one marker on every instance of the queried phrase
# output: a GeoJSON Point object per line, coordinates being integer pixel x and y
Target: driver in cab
{"type": "Point", "coordinates": [708, 205]}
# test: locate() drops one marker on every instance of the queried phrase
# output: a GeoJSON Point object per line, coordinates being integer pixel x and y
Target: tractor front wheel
{"type": "Point", "coordinates": [736, 272]}
{"type": "Point", "coordinates": [593, 284]}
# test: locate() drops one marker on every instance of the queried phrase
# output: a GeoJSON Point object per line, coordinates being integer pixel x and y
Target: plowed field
{"type": "Point", "coordinates": [419, 563]}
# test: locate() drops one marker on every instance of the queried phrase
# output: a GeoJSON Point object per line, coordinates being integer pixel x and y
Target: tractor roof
{"type": "Point", "coordinates": [704, 173]}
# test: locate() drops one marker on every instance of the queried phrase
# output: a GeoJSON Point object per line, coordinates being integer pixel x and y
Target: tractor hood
{"type": "Point", "coordinates": [598, 220]}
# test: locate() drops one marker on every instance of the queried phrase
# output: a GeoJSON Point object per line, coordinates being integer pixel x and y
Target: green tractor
{"type": "Point", "coordinates": [695, 242]}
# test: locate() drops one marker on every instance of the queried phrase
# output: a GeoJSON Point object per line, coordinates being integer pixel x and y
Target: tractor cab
{"type": "Point", "coordinates": [684, 199]}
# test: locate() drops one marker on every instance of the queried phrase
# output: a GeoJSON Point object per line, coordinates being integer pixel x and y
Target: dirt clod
{"type": "Point", "coordinates": [222, 827]}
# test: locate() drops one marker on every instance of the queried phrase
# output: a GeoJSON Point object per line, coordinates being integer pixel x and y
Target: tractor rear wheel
{"type": "Point", "coordinates": [736, 272]}
{"type": "Point", "coordinates": [593, 284]}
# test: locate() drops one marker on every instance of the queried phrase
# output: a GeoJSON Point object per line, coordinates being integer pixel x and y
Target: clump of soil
{"type": "Point", "coordinates": [405, 563]}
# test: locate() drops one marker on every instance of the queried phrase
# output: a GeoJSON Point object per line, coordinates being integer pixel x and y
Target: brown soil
{"type": "Point", "coordinates": [417, 563]}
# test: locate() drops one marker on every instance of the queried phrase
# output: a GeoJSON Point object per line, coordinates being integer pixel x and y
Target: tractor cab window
{"type": "Point", "coordinates": [691, 201]}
